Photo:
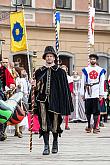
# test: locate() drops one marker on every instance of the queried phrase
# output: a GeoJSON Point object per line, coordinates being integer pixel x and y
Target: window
{"type": "Point", "coordinates": [104, 62]}
{"type": "Point", "coordinates": [101, 5]}
{"type": "Point", "coordinates": [63, 4]}
{"type": "Point", "coordinates": [24, 2]}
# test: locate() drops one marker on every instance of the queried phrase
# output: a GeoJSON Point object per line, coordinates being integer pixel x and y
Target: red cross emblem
{"type": "Point", "coordinates": [93, 74]}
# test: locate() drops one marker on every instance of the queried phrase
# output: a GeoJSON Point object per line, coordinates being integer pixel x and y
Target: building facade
{"type": "Point", "coordinates": [40, 24]}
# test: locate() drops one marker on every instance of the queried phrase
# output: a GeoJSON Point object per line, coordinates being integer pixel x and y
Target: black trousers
{"type": "Point", "coordinates": [92, 106]}
{"type": "Point", "coordinates": [49, 121]}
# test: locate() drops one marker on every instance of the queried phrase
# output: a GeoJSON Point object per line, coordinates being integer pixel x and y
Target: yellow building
{"type": "Point", "coordinates": [73, 51]}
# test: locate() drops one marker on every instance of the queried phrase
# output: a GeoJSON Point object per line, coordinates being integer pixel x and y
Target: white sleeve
{"type": "Point", "coordinates": [101, 85]}
{"type": "Point", "coordinates": [82, 84]}
{"type": "Point", "coordinates": [22, 85]}
{"type": "Point", "coordinates": [18, 82]}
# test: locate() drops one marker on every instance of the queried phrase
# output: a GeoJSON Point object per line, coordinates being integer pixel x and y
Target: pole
{"type": "Point", "coordinates": [16, 6]}
{"type": "Point", "coordinates": [1, 50]}
{"type": "Point", "coordinates": [92, 3]}
{"type": "Point", "coordinates": [89, 3]}
{"type": "Point", "coordinates": [57, 34]}
{"type": "Point", "coordinates": [29, 66]}
{"type": "Point", "coordinates": [1, 44]}
{"type": "Point", "coordinates": [32, 112]}
{"type": "Point", "coordinates": [32, 91]}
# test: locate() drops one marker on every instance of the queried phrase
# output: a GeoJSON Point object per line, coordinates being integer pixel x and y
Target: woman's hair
{"type": "Point", "coordinates": [18, 70]}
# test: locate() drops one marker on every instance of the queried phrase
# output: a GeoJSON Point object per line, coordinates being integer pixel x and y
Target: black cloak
{"type": "Point", "coordinates": [60, 100]}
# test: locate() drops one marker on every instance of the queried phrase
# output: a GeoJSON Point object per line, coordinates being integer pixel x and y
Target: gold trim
{"type": "Point", "coordinates": [53, 111]}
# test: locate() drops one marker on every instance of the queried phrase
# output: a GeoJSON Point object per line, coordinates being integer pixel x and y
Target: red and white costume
{"type": "Point", "coordinates": [95, 77]}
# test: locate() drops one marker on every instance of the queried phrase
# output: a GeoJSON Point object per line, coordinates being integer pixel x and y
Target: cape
{"type": "Point", "coordinates": [60, 100]}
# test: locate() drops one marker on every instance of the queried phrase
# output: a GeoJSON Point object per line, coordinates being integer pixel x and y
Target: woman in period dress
{"type": "Point", "coordinates": [79, 111]}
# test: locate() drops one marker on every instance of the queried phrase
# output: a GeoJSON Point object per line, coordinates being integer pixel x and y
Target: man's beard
{"type": "Point", "coordinates": [93, 63]}
{"type": "Point", "coordinates": [48, 62]}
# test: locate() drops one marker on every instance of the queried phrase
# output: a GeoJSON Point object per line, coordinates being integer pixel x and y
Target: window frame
{"type": "Point", "coordinates": [101, 10]}
{"type": "Point", "coordinates": [64, 7]}
{"type": "Point", "coordinates": [14, 4]}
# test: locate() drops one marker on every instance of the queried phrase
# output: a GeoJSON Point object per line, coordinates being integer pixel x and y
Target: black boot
{"type": "Point", "coordinates": [95, 130]}
{"type": "Point", "coordinates": [3, 136]}
{"type": "Point", "coordinates": [55, 143]}
{"type": "Point", "coordinates": [46, 144]}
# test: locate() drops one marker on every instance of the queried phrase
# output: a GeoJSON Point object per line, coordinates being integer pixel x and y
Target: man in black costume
{"type": "Point", "coordinates": [53, 99]}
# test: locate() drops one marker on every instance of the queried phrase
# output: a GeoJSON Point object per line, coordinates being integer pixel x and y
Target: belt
{"type": "Point", "coordinates": [88, 88]}
{"type": "Point", "coordinates": [91, 84]}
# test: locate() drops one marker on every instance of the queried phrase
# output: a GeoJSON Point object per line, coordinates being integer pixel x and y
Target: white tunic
{"type": "Point", "coordinates": [91, 75]}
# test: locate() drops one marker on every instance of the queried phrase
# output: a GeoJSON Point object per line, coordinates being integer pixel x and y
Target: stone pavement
{"type": "Point", "coordinates": [76, 148]}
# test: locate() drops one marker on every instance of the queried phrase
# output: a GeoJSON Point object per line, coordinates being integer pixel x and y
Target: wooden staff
{"type": "Point", "coordinates": [32, 88]}
{"type": "Point", "coordinates": [32, 111]}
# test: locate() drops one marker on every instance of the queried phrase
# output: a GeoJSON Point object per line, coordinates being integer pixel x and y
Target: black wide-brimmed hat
{"type": "Point", "coordinates": [94, 56]}
{"type": "Point", "coordinates": [49, 50]}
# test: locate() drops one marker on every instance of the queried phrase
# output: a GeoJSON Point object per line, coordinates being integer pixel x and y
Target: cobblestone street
{"type": "Point", "coordinates": [76, 147]}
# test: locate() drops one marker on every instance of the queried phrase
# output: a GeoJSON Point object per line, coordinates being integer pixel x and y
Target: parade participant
{"type": "Point", "coordinates": [7, 80]}
{"type": "Point", "coordinates": [108, 95]}
{"type": "Point", "coordinates": [23, 86]}
{"type": "Point", "coordinates": [103, 109]}
{"type": "Point", "coordinates": [53, 99]}
{"type": "Point", "coordinates": [92, 90]}
{"type": "Point", "coordinates": [79, 110]}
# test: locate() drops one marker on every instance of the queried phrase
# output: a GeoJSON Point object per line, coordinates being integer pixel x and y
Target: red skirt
{"type": "Point", "coordinates": [36, 124]}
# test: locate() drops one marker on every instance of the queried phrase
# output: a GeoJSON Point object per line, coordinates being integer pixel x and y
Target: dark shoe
{"type": "Point", "coordinates": [18, 134]}
{"type": "Point", "coordinates": [3, 136]}
{"type": "Point", "coordinates": [55, 147]}
{"type": "Point", "coordinates": [46, 150]}
{"type": "Point", "coordinates": [101, 124]}
{"type": "Point", "coordinates": [88, 130]}
{"type": "Point", "coordinates": [21, 132]}
{"type": "Point", "coordinates": [96, 131]}
{"type": "Point", "coordinates": [67, 128]}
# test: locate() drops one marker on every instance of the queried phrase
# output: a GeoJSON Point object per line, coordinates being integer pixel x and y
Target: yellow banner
{"type": "Point", "coordinates": [18, 32]}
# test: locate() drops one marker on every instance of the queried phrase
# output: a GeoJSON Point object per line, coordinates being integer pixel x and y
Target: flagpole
{"type": "Point", "coordinates": [89, 46]}
{"type": "Point", "coordinates": [29, 65]}
{"type": "Point", "coordinates": [57, 37]}
{"type": "Point", "coordinates": [32, 91]}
